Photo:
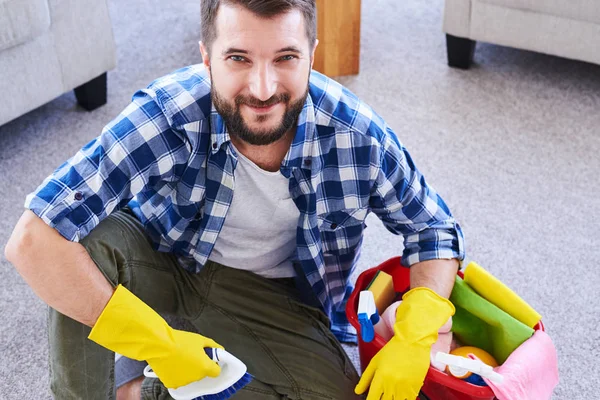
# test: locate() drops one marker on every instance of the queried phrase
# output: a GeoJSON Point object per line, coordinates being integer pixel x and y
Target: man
{"type": "Point", "coordinates": [234, 194]}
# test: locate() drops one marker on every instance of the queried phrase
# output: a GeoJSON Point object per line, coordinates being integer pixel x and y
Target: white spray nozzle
{"type": "Point", "coordinates": [366, 303]}
{"type": "Point", "coordinates": [367, 315]}
{"type": "Point", "coordinates": [462, 364]}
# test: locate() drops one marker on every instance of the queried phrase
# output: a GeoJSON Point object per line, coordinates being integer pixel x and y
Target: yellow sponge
{"type": "Point", "coordinates": [497, 293]}
{"type": "Point", "coordinates": [382, 287]}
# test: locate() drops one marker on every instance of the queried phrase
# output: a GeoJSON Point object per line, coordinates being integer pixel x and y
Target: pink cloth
{"type": "Point", "coordinates": [443, 344]}
{"type": "Point", "coordinates": [530, 372]}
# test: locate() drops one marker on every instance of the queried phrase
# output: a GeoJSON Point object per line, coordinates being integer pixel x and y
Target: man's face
{"type": "Point", "coordinates": [259, 70]}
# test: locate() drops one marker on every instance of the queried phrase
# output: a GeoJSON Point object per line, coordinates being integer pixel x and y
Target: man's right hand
{"type": "Point", "coordinates": [184, 365]}
{"type": "Point", "coordinates": [130, 327]}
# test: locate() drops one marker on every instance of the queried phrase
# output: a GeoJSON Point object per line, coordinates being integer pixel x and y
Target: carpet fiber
{"type": "Point", "coordinates": [512, 145]}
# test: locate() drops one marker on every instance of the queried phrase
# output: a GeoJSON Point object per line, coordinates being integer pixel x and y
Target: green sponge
{"type": "Point", "coordinates": [479, 323]}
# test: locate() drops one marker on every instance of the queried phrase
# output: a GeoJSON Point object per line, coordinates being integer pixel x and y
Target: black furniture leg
{"type": "Point", "coordinates": [92, 94]}
{"type": "Point", "coordinates": [460, 51]}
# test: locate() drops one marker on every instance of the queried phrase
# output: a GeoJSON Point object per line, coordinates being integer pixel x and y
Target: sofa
{"type": "Point", "coordinates": [49, 47]}
{"type": "Point", "coordinates": [569, 29]}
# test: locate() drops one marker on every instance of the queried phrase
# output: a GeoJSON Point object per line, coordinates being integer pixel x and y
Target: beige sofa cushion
{"type": "Point", "coordinates": [22, 21]}
{"type": "Point", "coordinates": [579, 10]}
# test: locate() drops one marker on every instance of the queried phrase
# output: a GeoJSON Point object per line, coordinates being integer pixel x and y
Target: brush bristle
{"type": "Point", "coordinates": [230, 391]}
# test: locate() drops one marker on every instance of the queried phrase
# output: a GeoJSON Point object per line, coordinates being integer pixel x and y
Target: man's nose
{"type": "Point", "coordinates": [263, 83]}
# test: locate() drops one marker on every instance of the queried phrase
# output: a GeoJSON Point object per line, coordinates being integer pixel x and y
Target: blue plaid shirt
{"type": "Point", "coordinates": [168, 156]}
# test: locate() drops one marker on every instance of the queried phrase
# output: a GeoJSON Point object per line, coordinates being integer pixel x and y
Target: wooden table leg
{"type": "Point", "coordinates": [338, 31]}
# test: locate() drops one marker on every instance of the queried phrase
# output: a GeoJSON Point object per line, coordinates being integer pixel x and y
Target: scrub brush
{"type": "Point", "coordinates": [232, 378]}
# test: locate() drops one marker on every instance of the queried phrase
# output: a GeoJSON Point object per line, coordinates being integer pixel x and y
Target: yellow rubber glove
{"type": "Point", "coordinates": [130, 327]}
{"type": "Point", "coordinates": [398, 370]}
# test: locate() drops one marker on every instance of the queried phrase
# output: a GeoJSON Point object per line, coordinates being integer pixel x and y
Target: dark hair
{"type": "Point", "coordinates": [262, 8]}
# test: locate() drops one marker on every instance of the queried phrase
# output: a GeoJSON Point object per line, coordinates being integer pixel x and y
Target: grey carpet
{"type": "Point", "coordinates": [512, 145]}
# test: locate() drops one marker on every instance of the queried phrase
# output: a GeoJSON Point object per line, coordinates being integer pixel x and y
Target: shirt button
{"type": "Point", "coordinates": [78, 196]}
{"type": "Point", "coordinates": [334, 225]}
{"type": "Point", "coordinates": [307, 162]}
{"type": "Point", "coordinates": [214, 145]}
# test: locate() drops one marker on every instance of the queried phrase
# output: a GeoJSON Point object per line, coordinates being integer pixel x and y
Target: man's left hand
{"type": "Point", "coordinates": [397, 372]}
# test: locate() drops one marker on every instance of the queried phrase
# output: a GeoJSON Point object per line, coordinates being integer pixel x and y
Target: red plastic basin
{"type": "Point", "coordinates": [437, 385]}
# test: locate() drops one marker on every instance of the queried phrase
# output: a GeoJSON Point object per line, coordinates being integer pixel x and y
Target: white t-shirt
{"type": "Point", "coordinates": [259, 233]}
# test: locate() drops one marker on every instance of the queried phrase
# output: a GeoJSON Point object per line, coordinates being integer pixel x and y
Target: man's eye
{"type": "Point", "coordinates": [237, 58]}
{"type": "Point", "coordinates": [289, 57]}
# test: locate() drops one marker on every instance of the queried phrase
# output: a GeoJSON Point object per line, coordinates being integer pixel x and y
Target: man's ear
{"type": "Point", "coordinates": [312, 54]}
{"type": "Point", "coordinates": [205, 58]}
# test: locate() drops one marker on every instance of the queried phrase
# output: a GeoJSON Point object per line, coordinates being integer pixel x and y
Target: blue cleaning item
{"type": "Point", "coordinates": [232, 378]}
{"type": "Point", "coordinates": [368, 316]}
{"type": "Point", "coordinates": [475, 379]}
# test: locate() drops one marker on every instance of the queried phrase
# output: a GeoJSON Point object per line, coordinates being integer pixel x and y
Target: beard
{"type": "Point", "coordinates": [237, 127]}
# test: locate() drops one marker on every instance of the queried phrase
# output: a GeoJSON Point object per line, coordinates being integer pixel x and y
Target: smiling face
{"type": "Point", "coordinates": [259, 72]}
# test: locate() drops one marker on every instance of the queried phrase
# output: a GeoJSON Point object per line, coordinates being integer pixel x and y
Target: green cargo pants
{"type": "Point", "coordinates": [286, 344]}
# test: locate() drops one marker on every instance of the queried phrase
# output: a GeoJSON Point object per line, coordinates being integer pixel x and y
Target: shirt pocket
{"type": "Point", "coordinates": [341, 230]}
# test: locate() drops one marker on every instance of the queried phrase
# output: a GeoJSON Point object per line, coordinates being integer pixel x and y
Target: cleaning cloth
{"type": "Point", "coordinates": [479, 323]}
{"type": "Point", "coordinates": [531, 371]}
{"type": "Point", "coordinates": [496, 292]}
